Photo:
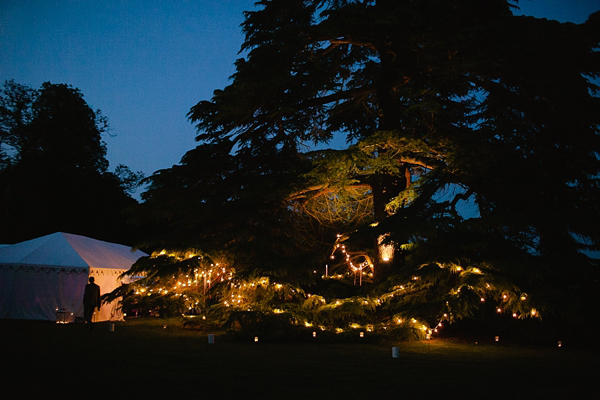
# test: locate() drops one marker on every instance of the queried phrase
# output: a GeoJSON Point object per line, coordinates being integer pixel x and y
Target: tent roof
{"type": "Point", "coordinates": [67, 250]}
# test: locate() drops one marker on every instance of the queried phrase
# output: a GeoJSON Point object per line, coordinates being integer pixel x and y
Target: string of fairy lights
{"type": "Point", "coordinates": [366, 268]}
{"type": "Point", "coordinates": [245, 295]}
{"type": "Point", "coordinates": [187, 286]}
{"type": "Point", "coordinates": [359, 270]}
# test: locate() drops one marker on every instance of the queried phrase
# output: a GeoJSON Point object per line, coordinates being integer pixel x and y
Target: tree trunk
{"type": "Point", "coordinates": [384, 188]}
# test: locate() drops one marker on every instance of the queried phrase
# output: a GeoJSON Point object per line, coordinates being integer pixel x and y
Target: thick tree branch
{"type": "Point", "coordinates": [320, 190]}
{"type": "Point", "coordinates": [338, 42]}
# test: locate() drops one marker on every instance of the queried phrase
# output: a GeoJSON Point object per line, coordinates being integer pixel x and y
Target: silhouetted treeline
{"type": "Point", "coordinates": [53, 168]}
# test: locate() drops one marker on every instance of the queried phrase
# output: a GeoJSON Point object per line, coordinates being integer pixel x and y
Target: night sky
{"type": "Point", "coordinates": [144, 63]}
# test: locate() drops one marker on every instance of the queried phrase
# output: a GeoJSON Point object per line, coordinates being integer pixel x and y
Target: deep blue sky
{"type": "Point", "coordinates": [144, 63]}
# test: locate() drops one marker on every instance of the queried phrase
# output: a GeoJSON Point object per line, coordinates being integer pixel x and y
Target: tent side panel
{"type": "Point", "coordinates": [70, 292]}
{"type": "Point", "coordinates": [7, 282]}
{"type": "Point", "coordinates": [37, 293]}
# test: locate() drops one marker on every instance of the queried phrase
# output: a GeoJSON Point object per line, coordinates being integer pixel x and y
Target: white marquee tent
{"type": "Point", "coordinates": [44, 278]}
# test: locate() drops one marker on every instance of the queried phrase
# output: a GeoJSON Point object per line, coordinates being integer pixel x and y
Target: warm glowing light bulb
{"type": "Point", "coordinates": [533, 312]}
{"type": "Point", "coordinates": [255, 339]}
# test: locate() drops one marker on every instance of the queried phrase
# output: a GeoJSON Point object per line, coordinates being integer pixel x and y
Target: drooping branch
{"type": "Point", "coordinates": [338, 42]}
{"type": "Point", "coordinates": [321, 190]}
{"type": "Point", "coordinates": [461, 196]}
{"type": "Point", "coordinates": [414, 162]}
{"type": "Point", "coordinates": [338, 206]}
{"type": "Point", "coordinates": [344, 94]}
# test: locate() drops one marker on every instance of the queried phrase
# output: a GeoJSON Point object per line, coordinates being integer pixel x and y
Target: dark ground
{"type": "Point", "coordinates": [142, 359]}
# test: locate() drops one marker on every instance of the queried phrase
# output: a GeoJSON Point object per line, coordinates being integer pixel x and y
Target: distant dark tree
{"type": "Point", "coordinates": [65, 132]}
{"type": "Point", "coordinates": [16, 113]}
{"type": "Point", "coordinates": [128, 179]}
{"type": "Point", "coordinates": [56, 177]}
{"type": "Point", "coordinates": [444, 104]}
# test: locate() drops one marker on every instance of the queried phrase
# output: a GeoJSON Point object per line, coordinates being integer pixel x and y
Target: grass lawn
{"type": "Point", "coordinates": [142, 359]}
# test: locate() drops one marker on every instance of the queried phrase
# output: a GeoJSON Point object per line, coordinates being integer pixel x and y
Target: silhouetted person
{"type": "Point", "coordinates": [91, 300]}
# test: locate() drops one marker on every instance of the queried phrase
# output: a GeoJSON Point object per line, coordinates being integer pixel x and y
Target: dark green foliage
{"type": "Point", "coordinates": [473, 140]}
{"type": "Point", "coordinates": [64, 133]}
{"type": "Point", "coordinates": [16, 113]}
{"type": "Point", "coordinates": [55, 176]}
{"type": "Point", "coordinates": [153, 305]}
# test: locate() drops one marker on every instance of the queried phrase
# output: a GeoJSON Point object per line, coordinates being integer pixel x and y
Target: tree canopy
{"type": "Point", "coordinates": [55, 173]}
{"type": "Point", "coordinates": [472, 152]}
